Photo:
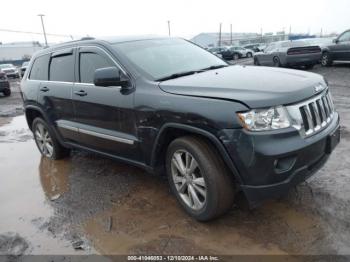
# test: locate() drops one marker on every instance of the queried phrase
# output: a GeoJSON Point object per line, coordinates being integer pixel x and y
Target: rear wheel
{"type": "Point", "coordinates": [199, 178]}
{"type": "Point", "coordinates": [235, 56]}
{"type": "Point", "coordinates": [326, 59]}
{"type": "Point", "coordinates": [46, 141]}
{"type": "Point", "coordinates": [7, 92]}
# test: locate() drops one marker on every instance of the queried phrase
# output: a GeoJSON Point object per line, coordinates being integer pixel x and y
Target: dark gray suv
{"type": "Point", "coordinates": [339, 51]}
{"type": "Point", "coordinates": [171, 107]}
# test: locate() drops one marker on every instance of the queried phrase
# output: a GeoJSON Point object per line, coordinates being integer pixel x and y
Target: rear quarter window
{"type": "Point", "coordinates": [40, 67]}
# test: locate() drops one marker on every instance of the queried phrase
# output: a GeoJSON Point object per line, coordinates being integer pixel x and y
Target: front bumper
{"type": "Point", "coordinates": [269, 163]}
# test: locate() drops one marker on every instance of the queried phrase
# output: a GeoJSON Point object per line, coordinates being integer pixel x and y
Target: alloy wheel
{"type": "Point", "coordinates": [188, 179]}
{"type": "Point", "coordinates": [324, 60]}
{"type": "Point", "coordinates": [43, 140]}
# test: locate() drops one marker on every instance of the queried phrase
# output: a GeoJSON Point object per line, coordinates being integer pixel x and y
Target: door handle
{"type": "Point", "coordinates": [44, 89]}
{"type": "Point", "coordinates": [80, 93]}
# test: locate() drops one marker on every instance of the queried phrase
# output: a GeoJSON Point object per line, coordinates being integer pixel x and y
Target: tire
{"type": "Point", "coordinates": [235, 56]}
{"type": "Point", "coordinates": [249, 55]}
{"type": "Point", "coordinates": [7, 92]}
{"type": "Point", "coordinates": [326, 59]}
{"type": "Point", "coordinates": [211, 175]}
{"type": "Point", "coordinates": [256, 61]}
{"type": "Point", "coordinates": [276, 62]}
{"type": "Point", "coordinates": [46, 140]}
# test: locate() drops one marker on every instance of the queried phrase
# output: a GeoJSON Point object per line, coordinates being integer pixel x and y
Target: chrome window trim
{"type": "Point", "coordinates": [96, 134]}
{"type": "Point", "coordinates": [77, 47]}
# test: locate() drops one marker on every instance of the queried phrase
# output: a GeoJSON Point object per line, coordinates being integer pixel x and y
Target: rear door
{"type": "Point", "coordinates": [55, 93]}
{"type": "Point", "coordinates": [104, 115]}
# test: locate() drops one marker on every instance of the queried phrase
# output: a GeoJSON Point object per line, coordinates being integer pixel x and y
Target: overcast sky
{"type": "Point", "coordinates": [188, 17]}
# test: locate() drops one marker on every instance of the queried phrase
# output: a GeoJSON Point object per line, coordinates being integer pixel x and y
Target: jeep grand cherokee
{"type": "Point", "coordinates": [169, 106]}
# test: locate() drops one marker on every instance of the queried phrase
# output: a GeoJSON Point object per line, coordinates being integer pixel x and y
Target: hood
{"type": "Point", "coordinates": [254, 86]}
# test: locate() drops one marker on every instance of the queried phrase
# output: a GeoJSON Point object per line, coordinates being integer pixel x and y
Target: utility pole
{"type": "Point", "coordinates": [169, 27]}
{"type": "Point", "coordinates": [231, 33]}
{"type": "Point", "coordinates": [321, 32]}
{"type": "Point", "coordinates": [42, 23]}
{"type": "Point", "coordinates": [261, 34]}
{"type": "Point", "coordinates": [220, 35]}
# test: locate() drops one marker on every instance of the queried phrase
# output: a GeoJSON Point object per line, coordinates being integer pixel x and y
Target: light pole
{"type": "Point", "coordinates": [169, 27]}
{"type": "Point", "coordinates": [42, 23]}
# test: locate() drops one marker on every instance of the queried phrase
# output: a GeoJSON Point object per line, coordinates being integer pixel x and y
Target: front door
{"type": "Point", "coordinates": [104, 115]}
{"type": "Point", "coordinates": [341, 50]}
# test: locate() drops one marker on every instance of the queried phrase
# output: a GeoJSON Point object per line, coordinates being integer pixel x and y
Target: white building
{"type": "Point", "coordinates": [213, 39]}
{"type": "Point", "coordinates": [18, 50]}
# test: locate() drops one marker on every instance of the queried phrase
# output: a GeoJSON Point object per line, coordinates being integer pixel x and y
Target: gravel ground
{"type": "Point", "coordinates": [87, 204]}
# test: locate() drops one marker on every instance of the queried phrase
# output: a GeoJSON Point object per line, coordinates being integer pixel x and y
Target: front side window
{"type": "Point", "coordinates": [88, 63]}
{"type": "Point", "coordinates": [270, 48]}
{"type": "Point", "coordinates": [345, 37]}
{"type": "Point", "coordinates": [62, 68]}
{"type": "Point", "coordinates": [40, 68]}
{"type": "Point", "coordinates": [159, 58]}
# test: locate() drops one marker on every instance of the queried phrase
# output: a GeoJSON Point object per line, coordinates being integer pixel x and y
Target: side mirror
{"type": "Point", "coordinates": [336, 41]}
{"type": "Point", "coordinates": [110, 76]}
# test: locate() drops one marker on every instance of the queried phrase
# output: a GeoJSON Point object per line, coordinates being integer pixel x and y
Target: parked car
{"type": "Point", "coordinates": [4, 84]}
{"type": "Point", "coordinates": [24, 68]}
{"type": "Point", "coordinates": [289, 54]}
{"type": "Point", "coordinates": [254, 47]}
{"type": "Point", "coordinates": [242, 51]}
{"type": "Point", "coordinates": [10, 70]}
{"type": "Point", "coordinates": [338, 51]}
{"type": "Point", "coordinates": [230, 54]}
{"type": "Point", "coordinates": [171, 107]}
{"type": "Point", "coordinates": [218, 50]}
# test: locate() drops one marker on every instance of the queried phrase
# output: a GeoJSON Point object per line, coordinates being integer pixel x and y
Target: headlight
{"type": "Point", "coordinates": [265, 119]}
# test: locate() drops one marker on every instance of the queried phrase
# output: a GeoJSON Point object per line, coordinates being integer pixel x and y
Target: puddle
{"type": "Point", "coordinates": [112, 208]}
{"type": "Point", "coordinates": [15, 130]}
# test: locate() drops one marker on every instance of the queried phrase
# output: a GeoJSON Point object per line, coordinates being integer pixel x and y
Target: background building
{"type": "Point", "coordinates": [213, 39]}
{"type": "Point", "coordinates": [18, 52]}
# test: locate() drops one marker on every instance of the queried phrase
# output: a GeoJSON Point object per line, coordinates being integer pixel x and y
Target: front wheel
{"type": "Point", "coordinates": [249, 55]}
{"type": "Point", "coordinates": [199, 178]}
{"type": "Point", "coordinates": [326, 59]}
{"type": "Point", "coordinates": [235, 56]}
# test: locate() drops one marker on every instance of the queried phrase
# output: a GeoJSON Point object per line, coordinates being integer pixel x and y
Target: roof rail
{"type": "Point", "coordinates": [87, 38]}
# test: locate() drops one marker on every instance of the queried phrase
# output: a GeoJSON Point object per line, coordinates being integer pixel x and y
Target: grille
{"type": "Point", "coordinates": [312, 115]}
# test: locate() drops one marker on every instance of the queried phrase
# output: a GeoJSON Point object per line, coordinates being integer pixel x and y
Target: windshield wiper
{"type": "Point", "coordinates": [213, 67]}
{"type": "Point", "coordinates": [186, 73]}
{"type": "Point", "coordinates": [176, 75]}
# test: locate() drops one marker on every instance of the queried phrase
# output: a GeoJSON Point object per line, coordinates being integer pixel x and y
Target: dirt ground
{"type": "Point", "coordinates": [87, 204]}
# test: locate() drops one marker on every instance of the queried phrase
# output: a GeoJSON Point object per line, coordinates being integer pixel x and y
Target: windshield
{"type": "Point", "coordinates": [25, 63]}
{"type": "Point", "coordinates": [6, 65]}
{"type": "Point", "coordinates": [160, 58]}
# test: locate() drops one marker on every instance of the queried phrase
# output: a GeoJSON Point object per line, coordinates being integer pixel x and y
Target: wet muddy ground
{"type": "Point", "coordinates": [87, 204]}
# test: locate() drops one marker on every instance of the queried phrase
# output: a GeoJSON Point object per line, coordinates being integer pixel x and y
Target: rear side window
{"type": "Point", "coordinates": [62, 68]}
{"type": "Point", "coordinates": [40, 67]}
{"type": "Point", "coordinates": [89, 62]}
